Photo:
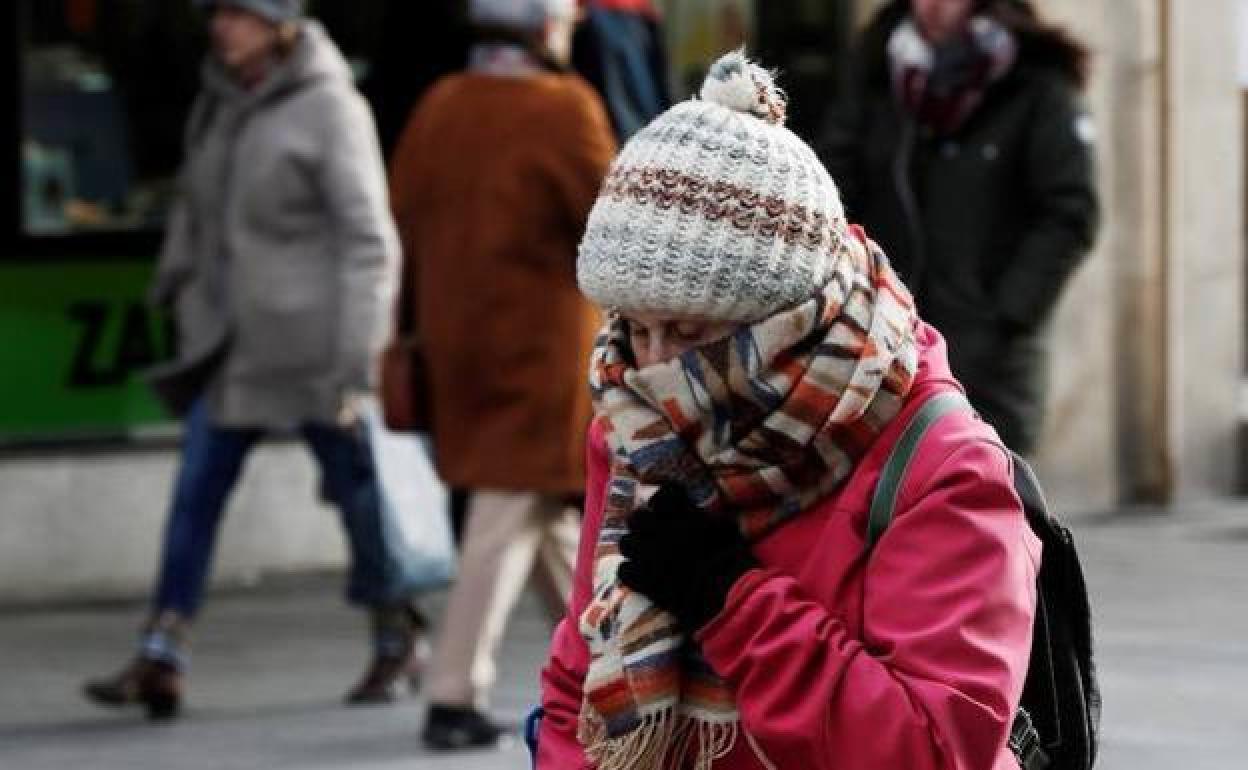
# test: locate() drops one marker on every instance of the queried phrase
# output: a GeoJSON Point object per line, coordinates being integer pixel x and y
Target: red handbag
{"type": "Point", "coordinates": [405, 396]}
{"type": "Point", "coordinates": [405, 386]}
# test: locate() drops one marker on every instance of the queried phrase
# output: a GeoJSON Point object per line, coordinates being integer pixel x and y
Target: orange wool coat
{"type": "Point", "coordinates": [491, 185]}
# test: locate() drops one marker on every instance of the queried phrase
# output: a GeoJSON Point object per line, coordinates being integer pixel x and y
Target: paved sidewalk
{"type": "Point", "coordinates": [1172, 630]}
{"type": "Point", "coordinates": [270, 665]}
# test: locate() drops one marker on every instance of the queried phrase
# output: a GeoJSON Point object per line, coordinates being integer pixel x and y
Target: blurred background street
{"type": "Point", "coordinates": [1118, 348]}
{"type": "Point", "coordinates": [270, 664]}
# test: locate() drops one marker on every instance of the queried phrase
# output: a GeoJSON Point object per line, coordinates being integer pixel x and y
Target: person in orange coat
{"type": "Point", "coordinates": [491, 186]}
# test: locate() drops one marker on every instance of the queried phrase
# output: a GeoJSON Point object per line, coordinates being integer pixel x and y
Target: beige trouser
{"type": "Point", "coordinates": [508, 536]}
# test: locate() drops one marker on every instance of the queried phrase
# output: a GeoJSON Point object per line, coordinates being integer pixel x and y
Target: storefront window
{"type": "Point", "coordinates": [104, 90]}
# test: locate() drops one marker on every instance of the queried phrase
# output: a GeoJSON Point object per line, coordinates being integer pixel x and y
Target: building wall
{"type": "Point", "coordinates": [1205, 244]}
{"type": "Point", "coordinates": [1166, 281]}
{"type": "Point", "coordinates": [89, 525]}
{"type": "Point", "coordinates": [1076, 458]}
{"type": "Point", "coordinates": [1132, 65]}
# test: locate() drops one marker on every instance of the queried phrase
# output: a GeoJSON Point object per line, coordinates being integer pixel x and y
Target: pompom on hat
{"type": "Point", "coordinates": [715, 211]}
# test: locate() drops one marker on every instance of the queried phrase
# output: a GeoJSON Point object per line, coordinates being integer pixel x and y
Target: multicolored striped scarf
{"type": "Point", "coordinates": [759, 425]}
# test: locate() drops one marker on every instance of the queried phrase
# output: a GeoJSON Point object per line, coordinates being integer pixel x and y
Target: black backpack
{"type": "Point", "coordinates": [1058, 720]}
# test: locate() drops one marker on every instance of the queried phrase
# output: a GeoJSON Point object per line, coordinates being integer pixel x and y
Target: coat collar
{"type": "Point", "coordinates": [314, 59]}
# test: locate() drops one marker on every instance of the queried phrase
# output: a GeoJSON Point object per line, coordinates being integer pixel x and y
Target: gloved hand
{"type": "Point", "coordinates": [682, 559]}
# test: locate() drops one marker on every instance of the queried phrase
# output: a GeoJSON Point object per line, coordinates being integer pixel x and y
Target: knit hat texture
{"type": "Point", "coordinates": [715, 211]}
{"type": "Point", "coordinates": [522, 14]}
{"type": "Point", "coordinates": [276, 11]}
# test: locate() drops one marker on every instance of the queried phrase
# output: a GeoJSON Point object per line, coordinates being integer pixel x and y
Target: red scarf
{"type": "Point", "coordinates": [945, 107]}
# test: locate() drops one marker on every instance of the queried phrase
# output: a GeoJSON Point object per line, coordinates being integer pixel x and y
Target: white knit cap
{"type": "Point", "coordinates": [714, 211]}
{"type": "Point", "coordinates": [523, 14]}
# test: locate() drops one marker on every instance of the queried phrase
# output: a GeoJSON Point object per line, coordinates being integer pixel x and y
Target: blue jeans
{"type": "Point", "coordinates": [213, 457]}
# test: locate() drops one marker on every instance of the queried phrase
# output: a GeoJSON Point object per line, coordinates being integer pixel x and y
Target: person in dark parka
{"type": "Point", "coordinates": [960, 143]}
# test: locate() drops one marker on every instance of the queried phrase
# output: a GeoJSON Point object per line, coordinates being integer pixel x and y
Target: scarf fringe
{"type": "Point", "coordinates": [662, 741]}
{"type": "Point", "coordinates": [715, 741]}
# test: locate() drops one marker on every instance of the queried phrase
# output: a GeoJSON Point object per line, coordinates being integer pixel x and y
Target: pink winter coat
{"type": "Point", "coordinates": [913, 659]}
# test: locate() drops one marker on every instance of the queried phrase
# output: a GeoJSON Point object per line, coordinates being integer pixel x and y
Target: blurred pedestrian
{"type": "Point", "coordinates": [279, 264]}
{"type": "Point", "coordinates": [491, 185]}
{"type": "Point", "coordinates": [759, 363]}
{"type": "Point", "coordinates": [619, 49]}
{"type": "Point", "coordinates": [961, 144]}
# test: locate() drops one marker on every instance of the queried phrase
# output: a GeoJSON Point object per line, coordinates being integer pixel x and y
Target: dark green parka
{"type": "Point", "coordinates": [986, 224]}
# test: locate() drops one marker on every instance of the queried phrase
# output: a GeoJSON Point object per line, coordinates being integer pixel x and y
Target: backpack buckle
{"type": "Point", "coordinates": [1024, 742]}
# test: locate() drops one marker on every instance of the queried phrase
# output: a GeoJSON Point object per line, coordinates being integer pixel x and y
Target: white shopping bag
{"type": "Point", "coordinates": [413, 501]}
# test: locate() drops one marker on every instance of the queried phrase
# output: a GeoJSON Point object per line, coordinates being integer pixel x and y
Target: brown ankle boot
{"type": "Point", "coordinates": [401, 650]}
{"type": "Point", "coordinates": [153, 679]}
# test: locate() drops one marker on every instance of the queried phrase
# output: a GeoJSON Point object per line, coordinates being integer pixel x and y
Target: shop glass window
{"type": "Point", "coordinates": [104, 90]}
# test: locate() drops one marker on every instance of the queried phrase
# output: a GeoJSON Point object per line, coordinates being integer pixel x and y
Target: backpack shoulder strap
{"type": "Point", "coordinates": [884, 501]}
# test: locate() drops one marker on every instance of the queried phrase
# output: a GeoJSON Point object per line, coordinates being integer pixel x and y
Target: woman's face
{"type": "Point", "coordinates": [240, 38]}
{"type": "Point", "coordinates": [559, 33]}
{"type": "Point", "coordinates": [942, 20]}
{"type": "Point", "coordinates": [655, 339]}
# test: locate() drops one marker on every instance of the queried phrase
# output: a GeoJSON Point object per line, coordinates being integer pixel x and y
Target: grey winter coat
{"type": "Point", "coordinates": [281, 260]}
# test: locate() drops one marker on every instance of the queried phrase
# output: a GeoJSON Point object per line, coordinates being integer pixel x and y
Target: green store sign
{"type": "Point", "coordinates": [74, 339]}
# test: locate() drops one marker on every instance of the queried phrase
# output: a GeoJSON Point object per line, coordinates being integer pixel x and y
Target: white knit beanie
{"type": "Point", "coordinates": [521, 14]}
{"type": "Point", "coordinates": [715, 211]}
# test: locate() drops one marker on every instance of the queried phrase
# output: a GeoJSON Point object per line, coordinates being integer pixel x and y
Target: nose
{"type": "Point", "coordinates": [669, 350]}
{"type": "Point", "coordinates": [658, 348]}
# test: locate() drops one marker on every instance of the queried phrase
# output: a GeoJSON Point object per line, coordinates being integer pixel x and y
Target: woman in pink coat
{"type": "Point", "coordinates": [759, 362]}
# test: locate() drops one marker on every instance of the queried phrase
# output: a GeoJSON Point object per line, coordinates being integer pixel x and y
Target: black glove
{"type": "Point", "coordinates": [682, 559]}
